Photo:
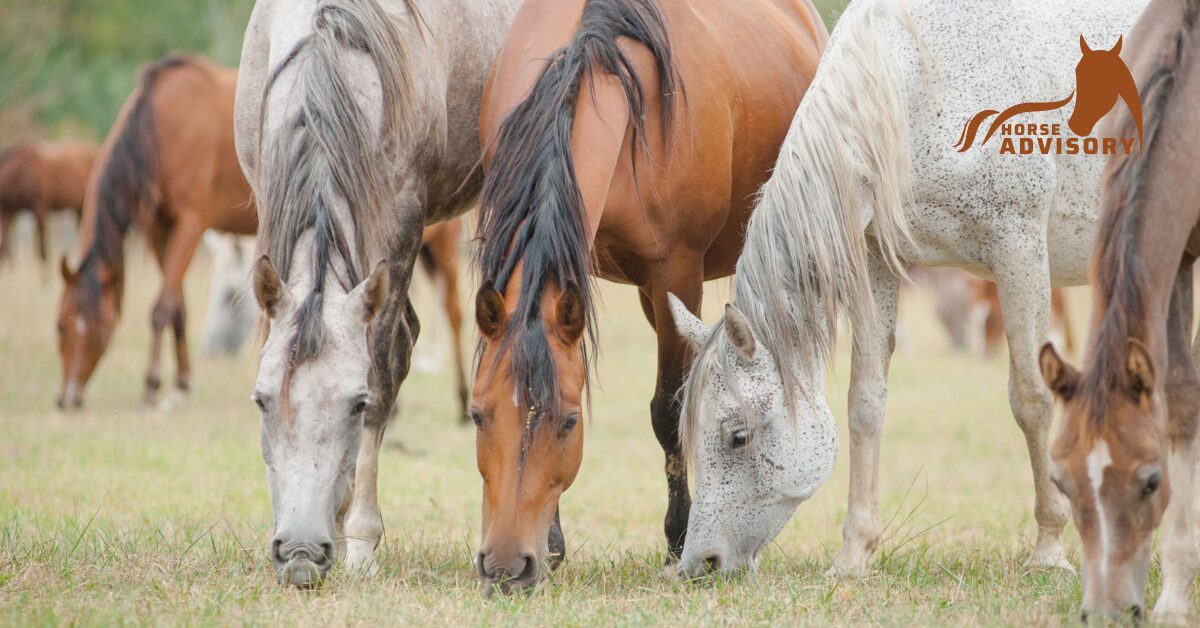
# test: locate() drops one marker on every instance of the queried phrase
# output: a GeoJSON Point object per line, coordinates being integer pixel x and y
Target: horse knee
{"type": "Point", "coordinates": [1031, 404]}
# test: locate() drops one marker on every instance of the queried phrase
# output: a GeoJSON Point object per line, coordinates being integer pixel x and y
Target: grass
{"type": "Point", "coordinates": [116, 516]}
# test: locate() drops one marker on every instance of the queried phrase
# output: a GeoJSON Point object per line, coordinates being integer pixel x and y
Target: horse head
{"type": "Point", "coordinates": [1101, 77]}
{"type": "Point", "coordinates": [87, 315]}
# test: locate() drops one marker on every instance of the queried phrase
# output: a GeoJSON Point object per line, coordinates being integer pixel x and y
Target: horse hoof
{"type": "Point", "coordinates": [1173, 612]}
{"type": "Point", "coordinates": [1050, 558]}
{"type": "Point", "coordinates": [847, 569]}
{"type": "Point", "coordinates": [173, 400]}
{"type": "Point", "coordinates": [360, 558]}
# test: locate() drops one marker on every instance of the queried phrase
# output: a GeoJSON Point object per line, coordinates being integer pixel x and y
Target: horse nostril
{"type": "Point", "coordinates": [1083, 616]}
{"type": "Point", "coordinates": [712, 563]}
{"type": "Point", "coordinates": [276, 554]}
{"type": "Point", "coordinates": [1136, 611]}
{"type": "Point", "coordinates": [327, 553]}
{"type": "Point", "coordinates": [530, 570]}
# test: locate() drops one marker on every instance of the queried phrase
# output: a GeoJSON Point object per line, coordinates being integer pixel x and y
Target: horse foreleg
{"type": "Point", "coordinates": [39, 217]}
{"type": "Point", "coordinates": [170, 310]}
{"type": "Point", "coordinates": [393, 335]}
{"type": "Point", "coordinates": [673, 360]}
{"type": "Point", "coordinates": [872, 354]}
{"type": "Point", "coordinates": [448, 265]}
{"type": "Point", "coordinates": [1180, 552]}
{"type": "Point", "coordinates": [6, 220]}
{"type": "Point", "coordinates": [1023, 279]}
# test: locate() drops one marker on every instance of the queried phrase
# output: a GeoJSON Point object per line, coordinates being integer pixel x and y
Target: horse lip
{"type": "Point", "coordinates": [301, 572]}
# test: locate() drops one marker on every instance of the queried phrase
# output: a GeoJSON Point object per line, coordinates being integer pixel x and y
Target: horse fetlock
{"type": "Point", "coordinates": [1048, 552]}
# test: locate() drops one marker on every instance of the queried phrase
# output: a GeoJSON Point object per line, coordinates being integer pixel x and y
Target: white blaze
{"type": "Point", "coordinates": [1097, 461]}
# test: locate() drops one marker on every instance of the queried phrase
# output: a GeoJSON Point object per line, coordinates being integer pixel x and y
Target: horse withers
{"type": "Point", "coordinates": [623, 139]}
{"type": "Point", "coordinates": [357, 124]}
{"type": "Point", "coordinates": [868, 181]}
{"type": "Point", "coordinates": [167, 166]}
{"type": "Point", "coordinates": [1126, 453]}
{"type": "Point", "coordinates": [42, 177]}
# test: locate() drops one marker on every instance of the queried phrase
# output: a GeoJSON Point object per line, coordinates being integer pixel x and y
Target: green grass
{"type": "Point", "coordinates": [116, 516]}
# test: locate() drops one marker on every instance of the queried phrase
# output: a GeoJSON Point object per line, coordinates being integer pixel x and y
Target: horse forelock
{"type": "Point", "coordinates": [1118, 271]}
{"type": "Point", "coordinates": [328, 169]}
{"type": "Point", "coordinates": [531, 209]}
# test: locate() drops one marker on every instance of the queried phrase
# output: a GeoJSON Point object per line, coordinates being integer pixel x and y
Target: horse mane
{"type": "Point", "coordinates": [328, 151]}
{"type": "Point", "coordinates": [531, 211]}
{"type": "Point", "coordinates": [125, 182]}
{"type": "Point", "coordinates": [804, 265]}
{"type": "Point", "coordinates": [1117, 268]}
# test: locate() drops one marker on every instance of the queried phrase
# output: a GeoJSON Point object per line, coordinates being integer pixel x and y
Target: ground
{"type": "Point", "coordinates": [119, 516]}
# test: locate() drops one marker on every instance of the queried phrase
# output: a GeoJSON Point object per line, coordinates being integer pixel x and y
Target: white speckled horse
{"type": "Point", "coordinates": [869, 178]}
{"type": "Point", "coordinates": [357, 124]}
{"type": "Point", "coordinates": [232, 313]}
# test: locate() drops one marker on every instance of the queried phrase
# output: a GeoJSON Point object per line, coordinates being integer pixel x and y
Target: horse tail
{"type": "Point", "coordinates": [1029, 107]}
{"type": "Point", "coordinates": [967, 138]}
{"type": "Point", "coordinates": [531, 209]}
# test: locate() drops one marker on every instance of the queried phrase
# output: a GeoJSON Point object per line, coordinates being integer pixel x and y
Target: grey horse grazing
{"type": "Point", "coordinates": [231, 314]}
{"type": "Point", "coordinates": [357, 124]}
{"type": "Point", "coordinates": [867, 180]}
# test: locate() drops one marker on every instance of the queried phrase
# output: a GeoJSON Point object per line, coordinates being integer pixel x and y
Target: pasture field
{"type": "Point", "coordinates": [119, 516]}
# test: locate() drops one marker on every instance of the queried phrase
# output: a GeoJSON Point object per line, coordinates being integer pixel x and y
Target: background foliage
{"type": "Point", "coordinates": [66, 65]}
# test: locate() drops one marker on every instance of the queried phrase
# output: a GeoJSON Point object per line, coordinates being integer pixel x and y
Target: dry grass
{"type": "Point", "coordinates": [115, 516]}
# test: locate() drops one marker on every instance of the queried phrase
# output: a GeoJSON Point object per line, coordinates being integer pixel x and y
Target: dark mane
{"type": "Point", "coordinates": [531, 209]}
{"type": "Point", "coordinates": [126, 184]}
{"type": "Point", "coordinates": [1118, 271]}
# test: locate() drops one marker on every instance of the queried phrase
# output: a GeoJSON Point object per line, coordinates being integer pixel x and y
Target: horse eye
{"type": "Point", "coordinates": [262, 407]}
{"type": "Point", "coordinates": [1151, 484]}
{"type": "Point", "coordinates": [359, 407]}
{"type": "Point", "coordinates": [568, 424]}
{"type": "Point", "coordinates": [739, 439]}
{"type": "Point", "coordinates": [476, 417]}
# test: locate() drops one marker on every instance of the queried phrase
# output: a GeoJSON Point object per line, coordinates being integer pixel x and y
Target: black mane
{"type": "Point", "coordinates": [531, 210]}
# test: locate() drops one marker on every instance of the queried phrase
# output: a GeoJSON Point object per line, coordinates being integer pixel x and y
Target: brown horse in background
{"type": "Point", "coordinates": [439, 257]}
{"type": "Point", "coordinates": [42, 177]}
{"type": "Point", "coordinates": [623, 139]}
{"type": "Point", "coordinates": [168, 166]}
{"type": "Point", "coordinates": [1126, 453]}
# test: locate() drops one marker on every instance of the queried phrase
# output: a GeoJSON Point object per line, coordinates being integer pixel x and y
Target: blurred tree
{"type": "Point", "coordinates": [66, 65]}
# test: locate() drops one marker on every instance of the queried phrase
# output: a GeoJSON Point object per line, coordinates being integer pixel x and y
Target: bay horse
{"type": "Point", "coordinates": [167, 166]}
{"type": "Point", "coordinates": [439, 257]}
{"type": "Point", "coordinates": [868, 180]}
{"type": "Point", "coordinates": [1126, 452]}
{"type": "Point", "coordinates": [42, 177]}
{"type": "Point", "coordinates": [623, 139]}
{"type": "Point", "coordinates": [357, 125]}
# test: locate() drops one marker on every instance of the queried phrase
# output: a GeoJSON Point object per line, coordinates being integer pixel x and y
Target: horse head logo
{"type": "Point", "coordinates": [1101, 77]}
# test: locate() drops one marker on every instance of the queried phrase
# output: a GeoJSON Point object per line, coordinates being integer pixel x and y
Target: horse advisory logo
{"type": "Point", "coordinates": [1101, 77]}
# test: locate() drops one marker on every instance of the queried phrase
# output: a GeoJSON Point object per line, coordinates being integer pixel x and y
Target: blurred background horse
{"type": "Point", "coordinates": [42, 177]}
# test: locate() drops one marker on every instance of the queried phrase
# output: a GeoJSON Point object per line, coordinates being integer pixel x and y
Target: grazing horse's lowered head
{"type": "Point", "coordinates": [87, 316]}
{"type": "Point", "coordinates": [1100, 78]}
{"type": "Point", "coordinates": [1108, 459]}
{"type": "Point", "coordinates": [311, 422]}
{"type": "Point", "coordinates": [753, 462]}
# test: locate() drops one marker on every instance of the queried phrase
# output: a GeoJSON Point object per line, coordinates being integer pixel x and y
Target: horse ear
{"type": "Point", "coordinates": [1117, 48]}
{"type": "Point", "coordinates": [1061, 378]}
{"type": "Point", "coordinates": [737, 328]}
{"type": "Point", "coordinates": [64, 267]}
{"type": "Point", "coordinates": [1083, 45]}
{"type": "Point", "coordinates": [689, 326]}
{"type": "Point", "coordinates": [569, 314]}
{"type": "Point", "coordinates": [272, 295]}
{"type": "Point", "coordinates": [367, 298]}
{"type": "Point", "coordinates": [1139, 369]}
{"type": "Point", "coordinates": [489, 311]}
